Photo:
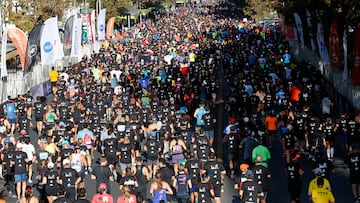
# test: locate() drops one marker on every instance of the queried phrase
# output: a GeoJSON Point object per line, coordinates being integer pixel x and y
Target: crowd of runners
{"type": "Point", "coordinates": [146, 106]}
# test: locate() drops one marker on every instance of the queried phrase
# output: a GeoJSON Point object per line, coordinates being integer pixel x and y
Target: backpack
{"type": "Point", "coordinates": [87, 139]}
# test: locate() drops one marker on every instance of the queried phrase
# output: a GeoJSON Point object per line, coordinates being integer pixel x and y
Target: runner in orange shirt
{"type": "Point", "coordinates": [271, 123]}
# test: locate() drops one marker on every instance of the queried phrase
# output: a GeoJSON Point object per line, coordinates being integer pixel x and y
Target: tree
{"type": "Point", "coordinates": [26, 14]}
{"type": "Point", "coordinates": [258, 9]}
{"type": "Point", "coordinates": [112, 6]}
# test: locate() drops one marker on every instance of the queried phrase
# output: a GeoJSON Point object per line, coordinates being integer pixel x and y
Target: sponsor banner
{"type": "Point", "coordinates": [46, 87]}
{"type": "Point", "coordinates": [299, 30]}
{"type": "Point", "coordinates": [37, 91]}
{"type": "Point", "coordinates": [101, 24]}
{"type": "Point", "coordinates": [32, 49]}
{"type": "Point", "coordinates": [3, 54]}
{"type": "Point", "coordinates": [50, 44]}
{"type": "Point", "coordinates": [335, 51]}
{"type": "Point", "coordinates": [110, 28]}
{"type": "Point", "coordinates": [19, 39]}
{"type": "Point", "coordinates": [356, 68]}
{"type": "Point", "coordinates": [68, 30]}
{"type": "Point", "coordinates": [92, 25]}
{"type": "Point", "coordinates": [76, 38]}
{"type": "Point", "coordinates": [345, 47]}
{"type": "Point", "coordinates": [309, 23]}
{"type": "Point", "coordinates": [323, 51]}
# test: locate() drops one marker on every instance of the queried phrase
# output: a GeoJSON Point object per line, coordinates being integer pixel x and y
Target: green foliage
{"type": "Point", "coordinates": [347, 11]}
{"type": "Point", "coordinates": [29, 13]}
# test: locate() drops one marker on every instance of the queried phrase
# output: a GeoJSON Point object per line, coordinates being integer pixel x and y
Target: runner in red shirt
{"type": "Point", "coordinates": [102, 196]}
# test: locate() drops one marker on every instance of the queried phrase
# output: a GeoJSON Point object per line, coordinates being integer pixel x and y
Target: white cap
{"type": "Point", "coordinates": [19, 145]}
{"type": "Point", "coordinates": [66, 161]}
{"type": "Point", "coordinates": [50, 165]}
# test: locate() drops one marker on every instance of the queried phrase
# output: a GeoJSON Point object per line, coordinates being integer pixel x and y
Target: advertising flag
{"type": "Point", "coordinates": [3, 54]}
{"type": "Point", "coordinates": [92, 26]}
{"type": "Point", "coordinates": [309, 23]}
{"type": "Point", "coordinates": [32, 49]}
{"type": "Point", "coordinates": [335, 51]}
{"type": "Point", "coordinates": [50, 45]}
{"type": "Point", "coordinates": [356, 69]}
{"type": "Point", "coordinates": [299, 29]}
{"type": "Point", "coordinates": [323, 51]}
{"type": "Point", "coordinates": [68, 30]}
{"type": "Point", "coordinates": [110, 28]}
{"type": "Point", "coordinates": [19, 39]}
{"type": "Point", "coordinates": [101, 24]}
{"type": "Point", "coordinates": [76, 38]}
{"type": "Point", "coordinates": [345, 72]}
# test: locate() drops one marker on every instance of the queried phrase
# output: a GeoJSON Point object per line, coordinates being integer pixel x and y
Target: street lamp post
{"type": "Point", "coordinates": [16, 5]}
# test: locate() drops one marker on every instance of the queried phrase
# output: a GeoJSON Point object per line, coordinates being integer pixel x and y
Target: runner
{"type": "Point", "coordinates": [28, 197]}
{"type": "Point", "coordinates": [216, 171]}
{"type": "Point", "coordinates": [50, 182]}
{"type": "Point", "coordinates": [102, 196]}
{"type": "Point", "coordinates": [313, 183]}
{"type": "Point", "coordinates": [250, 191]}
{"type": "Point", "coordinates": [262, 177]}
{"type": "Point", "coordinates": [294, 171]}
{"type": "Point", "coordinates": [160, 189]}
{"type": "Point", "coordinates": [126, 197]}
{"type": "Point", "coordinates": [19, 161]}
{"type": "Point", "coordinates": [69, 178]}
{"type": "Point", "coordinates": [322, 194]}
{"type": "Point", "coordinates": [182, 184]}
{"type": "Point", "coordinates": [354, 163]}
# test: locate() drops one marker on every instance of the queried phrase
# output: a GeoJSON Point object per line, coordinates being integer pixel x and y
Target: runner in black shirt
{"type": "Point", "coordinates": [142, 176]}
{"type": "Point", "coordinates": [20, 160]}
{"type": "Point", "coordinates": [39, 111]}
{"type": "Point", "coordinates": [353, 132]}
{"type": "Point", "coordinates": [232, 145]}
{"type": "Point", "coordinates": [294, 171]}
{"type": "Point", "coordinates": [216, 171]}
{"type": "Point", "coordinates": [49, 181]}
{"type": "Point", "coordinates": [69, 179]}
{"type": "Point", "coordinates": [262, 176]}
{"type": "Point", "coordinates": [65, 153]}
{"type": "Point", "coordinates": [192, 168]}
{"type": "Point", "coordinates": [8, 168]}
{"type": "Point", "coordinates": [208, 128]}
{"type": "Point", "coordinates": [250, 191]}
{"type": "Point", "coordinates": [102, 174]}
{"type": "Point", "coordinates": [288, 142]}
{"type": "Point", "coordinates": [126, 153]}
{"type": "Point", "coordinates": [329, 135]}
{"type": "Point", "coordinates": [62, 195]}
{"type": "Point", "coordinates": [130, 180]}
{"type": "Point", "coordinates": [81, 196]}
{"type": "Point", "coordinates": [152, 148]}
{"type": "Point", "coordinates": [204, 190]}
{"type": "Point", "coordinates": [24, 123]}
{"type": "Point", "coordinates": [354, 165]}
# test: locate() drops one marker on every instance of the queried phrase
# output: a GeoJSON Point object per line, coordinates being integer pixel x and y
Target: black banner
{"type": "Point", "coordinates": [33, 47]}
{"type": "Point", "coordinates": [68, 35]}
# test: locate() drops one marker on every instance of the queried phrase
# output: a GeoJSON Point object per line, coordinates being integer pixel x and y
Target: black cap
{"type": "Point", "coordinates": [212, 155]}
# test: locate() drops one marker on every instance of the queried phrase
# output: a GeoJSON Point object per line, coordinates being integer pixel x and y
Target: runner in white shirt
{"type": "Point", "coordinates": [29, 149]}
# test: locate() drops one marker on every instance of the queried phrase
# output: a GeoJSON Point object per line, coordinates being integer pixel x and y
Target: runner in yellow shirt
{"type": "Point", "coordinates": [53, 76]}
{"type": "Point", "coordinates": [313, 183]}
{"type": "Point", "coordinates": [321, 194]}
